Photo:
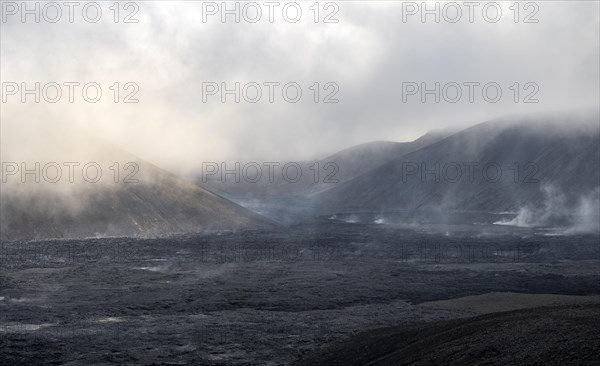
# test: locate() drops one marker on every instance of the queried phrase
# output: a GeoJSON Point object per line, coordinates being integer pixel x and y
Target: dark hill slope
{"type": "Point", "coordinates": [159, 203]}
{"type": "Point", "coordinates": [566, 335]}
{"type": "Point", "coordinates": [558, 160]}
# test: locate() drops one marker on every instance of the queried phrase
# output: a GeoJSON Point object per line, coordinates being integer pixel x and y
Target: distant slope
{"type": "Point", "coordinates": [160, 203]}
{"type": "Point", "coordinates": [359, 159]}
{"type": "Point", "coordinates": [495, 302]}
{"type": "Point", "coordinates": [351, 162]}
{"type": "Point", "coordinates": [565, 335]}
{"type": "Point", "coordinates": [562, 153]}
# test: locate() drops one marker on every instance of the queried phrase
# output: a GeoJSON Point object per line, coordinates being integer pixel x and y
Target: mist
{"type": "Point", "coordinates": [573, 216]}
{"type": "Point", "coordinates": [369, 53]}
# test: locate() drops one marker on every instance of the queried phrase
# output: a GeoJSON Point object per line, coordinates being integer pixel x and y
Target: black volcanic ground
{"type": "Point", "coordinates": [563, 335]}
{"type": "Point", "coordinates": [275, 296]}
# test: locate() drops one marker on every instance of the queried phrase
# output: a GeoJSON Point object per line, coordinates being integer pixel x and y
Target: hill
{"type": "Point", "coordinates": [565, 335]}
{"type": "Point", "coordinates": [150, 202]}
{"type": "Point", "coordinates": [512, 164]}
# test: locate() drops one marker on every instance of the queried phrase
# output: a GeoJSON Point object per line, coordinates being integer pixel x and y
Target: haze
{"type": "Point", "coordinates": [170, 52]}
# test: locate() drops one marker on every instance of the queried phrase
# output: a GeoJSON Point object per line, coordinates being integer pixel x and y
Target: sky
{"type": "Point", "coordinates": [370, 59]}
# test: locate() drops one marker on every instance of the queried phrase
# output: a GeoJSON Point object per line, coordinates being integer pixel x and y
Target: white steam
{"type": "Point", "coordinates": [555, 211]}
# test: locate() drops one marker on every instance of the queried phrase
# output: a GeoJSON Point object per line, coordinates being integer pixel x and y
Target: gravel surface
{"type": "Point", "coordinates": [260, 297]}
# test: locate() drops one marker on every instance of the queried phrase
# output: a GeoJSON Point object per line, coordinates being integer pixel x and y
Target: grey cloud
{"type": "Point", "coordinates": [369, 53]}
